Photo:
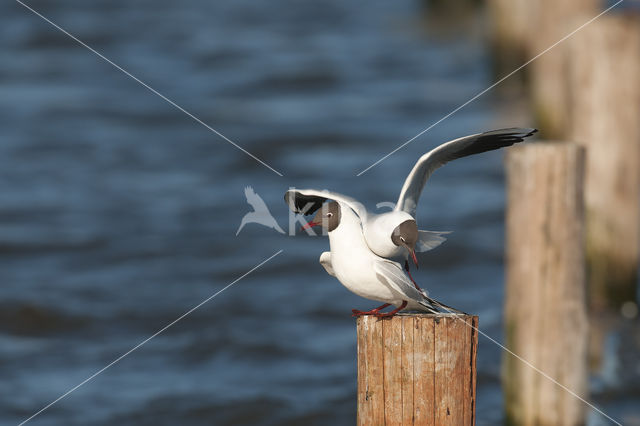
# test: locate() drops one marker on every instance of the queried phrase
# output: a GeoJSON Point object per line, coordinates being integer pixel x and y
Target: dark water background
{"type": "Point", "coordinates": [118, 213]}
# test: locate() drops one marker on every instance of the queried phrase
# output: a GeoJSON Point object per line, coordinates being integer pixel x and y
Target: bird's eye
{"type": "Point", "coordinates": [329, 214]}
{"type": "Point", "coordinates": [403, 240]}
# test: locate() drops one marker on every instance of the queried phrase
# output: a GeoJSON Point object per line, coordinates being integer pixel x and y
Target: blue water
{"type": "Point", "coordinates": [118, 212]}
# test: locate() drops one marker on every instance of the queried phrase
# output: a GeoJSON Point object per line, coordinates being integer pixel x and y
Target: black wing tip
{"type": "Point", "coordinates": [510, 135]}
{"type": "Point", "coordinates": [494, 139]}
{"type": "Point", "coordinates": [512, 132]}
{"type": "Point", "coordinates": [303, 204]}
{"type": "Point", "coordinates": [527, 131]}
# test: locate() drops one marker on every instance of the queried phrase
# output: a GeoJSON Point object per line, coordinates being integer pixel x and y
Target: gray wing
{"type": "Point", "coordinates": [308, 201]}
{"type": "Point", "coordinates": [452, 150]}
{"type": "Point", "coordinates": [428, 240]}
{"type": "Point", "coordinates": [391, 274]}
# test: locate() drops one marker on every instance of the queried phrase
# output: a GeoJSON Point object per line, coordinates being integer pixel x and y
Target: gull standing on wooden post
{"type": "Point", "coordinates": [362, 271]}
{"type": "Point", "coordinates": [366, 247]}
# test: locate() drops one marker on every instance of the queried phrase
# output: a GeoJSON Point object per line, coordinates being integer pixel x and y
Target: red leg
{"type": "Point", "coordinates": [406, 268]}
{"type": "Point", "coordinates": [357, 313]}
{"type": "Point", "coordinates": [392, 313]}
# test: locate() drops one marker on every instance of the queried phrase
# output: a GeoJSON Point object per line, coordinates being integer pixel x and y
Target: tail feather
{"type": "Point", "coordinates": [433, 305]}
{"type": "Point", "coordinates": [429, 308]}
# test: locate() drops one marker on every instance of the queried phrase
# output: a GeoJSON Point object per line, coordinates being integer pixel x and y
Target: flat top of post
{"type": "Point", "coordinates": [422, 314]}
{"type": "Point", "coordinates": [425, 315]}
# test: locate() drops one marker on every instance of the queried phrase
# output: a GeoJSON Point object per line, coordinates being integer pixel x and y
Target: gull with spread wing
{"type": "Point", "coordinates": [392, 236]}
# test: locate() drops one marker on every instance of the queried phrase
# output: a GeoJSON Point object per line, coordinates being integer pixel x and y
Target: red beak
{"type": "Point", "coordinates": [309, 225]}
{"type": "Point", "coordinates": [413, 256]}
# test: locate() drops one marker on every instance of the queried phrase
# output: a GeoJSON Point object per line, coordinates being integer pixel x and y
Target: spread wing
{"type": "Point", "coordinates": [308, 201]}
{"type": "Point", "coordinates": [452, 150]}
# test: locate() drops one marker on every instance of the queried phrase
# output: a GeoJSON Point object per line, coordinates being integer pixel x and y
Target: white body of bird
{"type": "Point", "coordinates": [364, 273]}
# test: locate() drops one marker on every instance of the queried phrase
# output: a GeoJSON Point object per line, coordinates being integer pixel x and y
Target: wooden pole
{"type": "Point", "coordinates": [417, 369]}
{"type": "Point", "coordinates": [551, 20]}
{"type": "Point", "coordinates": [545, 307]}
{"type": "Point", "coordinates": [510, 38]}
{"type": "Point", "coordinates": [605, 118]}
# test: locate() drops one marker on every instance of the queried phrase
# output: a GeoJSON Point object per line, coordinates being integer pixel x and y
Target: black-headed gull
{"type": "Point", "coordinates": [394, 236]}
{"type": "Point", "coordinates": [362, 271]}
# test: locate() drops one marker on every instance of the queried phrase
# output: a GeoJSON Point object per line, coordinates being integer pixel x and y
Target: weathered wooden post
{"type": "Point", "coordinates": [605, 117]}
{"type": "Point", "coordinates": [545, 309]}
{"type": "Point", "coordinates": [551, 20]}
{"type": "Point", "coordinates": [510, 38]}
{"type": "Point", "coordinates": [417, 369]}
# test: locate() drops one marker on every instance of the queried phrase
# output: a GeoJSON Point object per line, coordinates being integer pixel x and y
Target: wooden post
{"type": "Point", "coordinates": [545, 308]}
{"type": "Point", "coordinates": [417, 369]}
{"type": "Point", "coordinates": [551, 20]}
{"type": "Point", "coordinates": [510, 38]}
{"type": "Point", "coordinates": [605, 118]}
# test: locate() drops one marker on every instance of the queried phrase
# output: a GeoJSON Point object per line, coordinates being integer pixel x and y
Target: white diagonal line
{"type": "Point", "coordinates": [490, 87]}
{"type": "Point", "coordinates": [536, 369]}
{"type": "Point", "coordinates": [150, 88]}
{"type": "Point", "coordinates": [149, 338]}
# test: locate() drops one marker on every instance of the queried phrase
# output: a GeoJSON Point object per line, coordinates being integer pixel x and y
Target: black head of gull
{"type": "Point", "coordinates": [406, 235]}
{"type": "Point", "coordinates": [328, 217]}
